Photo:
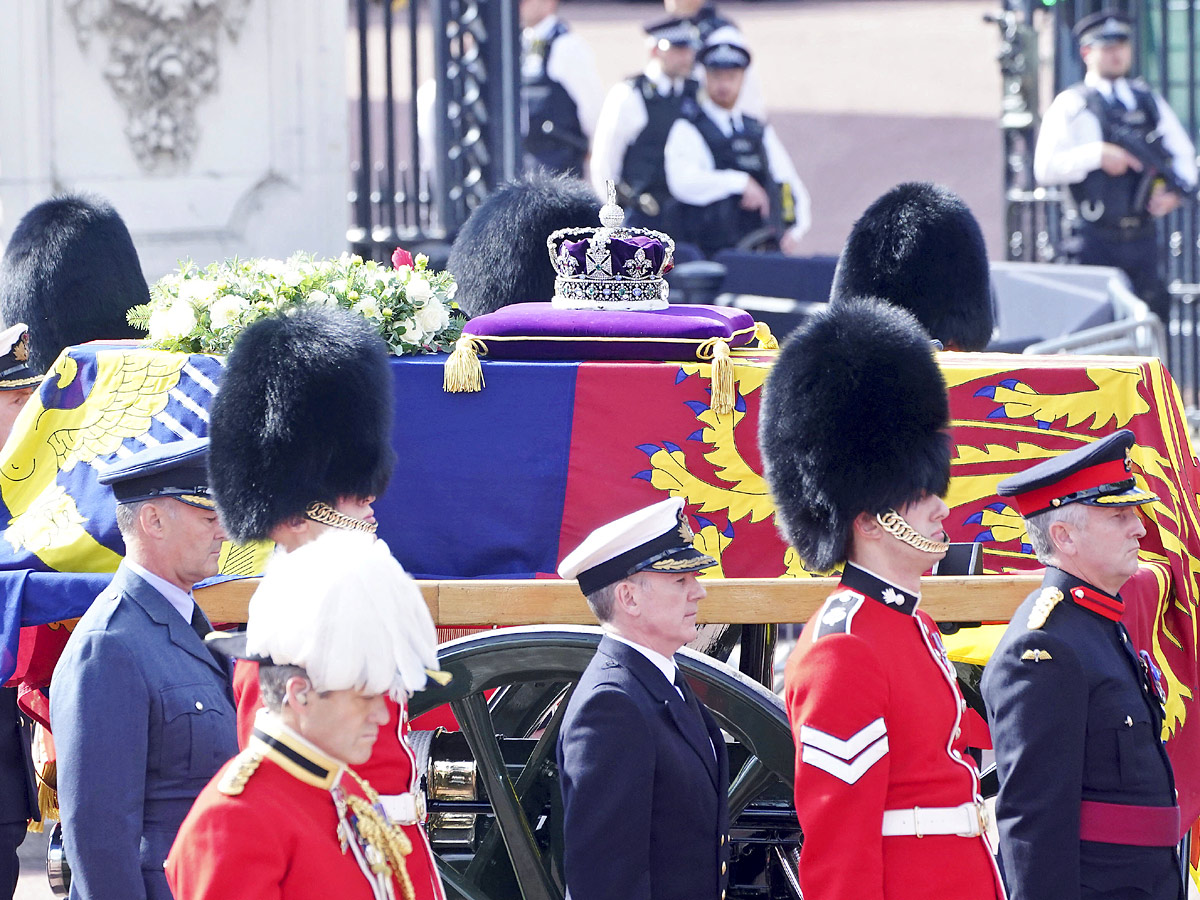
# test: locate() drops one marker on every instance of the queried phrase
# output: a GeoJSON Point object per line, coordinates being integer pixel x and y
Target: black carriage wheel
{"type": "Point", "coordinates": [534, 670]}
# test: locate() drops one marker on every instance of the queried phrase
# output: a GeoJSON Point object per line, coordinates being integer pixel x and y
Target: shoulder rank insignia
{"type": "Point", "coordinates": [1049, 598]}
{"type": "Point", "coordinates": [233, 782]}
{"type": "Point", "coordinates": [1036, 655]}
{"type": "Point", "coordinates": [837, 613]}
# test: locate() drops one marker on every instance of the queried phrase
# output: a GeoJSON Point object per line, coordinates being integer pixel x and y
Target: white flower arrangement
{"type": "Point", "coordinates": [199, 310]}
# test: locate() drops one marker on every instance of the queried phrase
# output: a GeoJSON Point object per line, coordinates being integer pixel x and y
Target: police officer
{"type": "Point", "coordinates": [635, 119]}
{"type": "Point", "coordinates": [1117, 195]}
{"type": "Point", "coordinates": [142, 712]}
{"type": "Point", "coordinates": [1087, 805]}
{"type": "Point", "coordinates": [852, 433]}
{"type": "Point", "coordinates": [729, 171]}
{"type": "Point", "coordinates": [561, 91]}
{"type": "Point", "coordinates": [708, 19]}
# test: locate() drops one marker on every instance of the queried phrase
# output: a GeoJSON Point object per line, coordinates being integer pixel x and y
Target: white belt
{"type": "Point", "coordinates": [968, 820]}
{"type": "Point", "coordinates": [404, 809]}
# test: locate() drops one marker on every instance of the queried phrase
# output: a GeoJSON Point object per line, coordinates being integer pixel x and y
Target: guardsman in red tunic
{"type": "Point", "coordinates": [856, 454]}
{"type": "Point", "coordinates": [301, 445]}
{"type": "Point", "coordinates": [337, 626]}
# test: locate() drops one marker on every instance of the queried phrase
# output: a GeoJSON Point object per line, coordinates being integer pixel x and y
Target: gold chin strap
{"type": "Point", "coordinates": [893, 523]}
{"type": "Point", "coordinates": [327, 515]}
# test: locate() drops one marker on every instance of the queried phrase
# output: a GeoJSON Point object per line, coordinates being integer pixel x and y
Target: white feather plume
{"type": "Point", "coordinates": [345, 610]}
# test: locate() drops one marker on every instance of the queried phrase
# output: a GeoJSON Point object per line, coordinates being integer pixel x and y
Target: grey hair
{"type": "Point", "coordinates": [1038, 529]}
{"type": "Point", "coordinates": [127, 516]}
{"type": "Point", "coordinates": [601, 600]}
{"type": "Point", "coordinates": [272, 683]}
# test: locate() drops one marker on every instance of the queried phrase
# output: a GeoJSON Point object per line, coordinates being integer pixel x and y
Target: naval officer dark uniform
{"type": "Point", "coordinates": [1087, 805]}
{"type": "Point", "coordinates": [643, 767]}
{"type": "Point", "coordinates": [141, 709]}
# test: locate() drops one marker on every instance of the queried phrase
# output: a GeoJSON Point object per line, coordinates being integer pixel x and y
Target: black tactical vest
{"type": "Point", "coordinates": [1108, 201]}
{"type": "Point", "coordinates": [554, 137]}
{"type": "Point", "coordinates": [643, 171]}
{"type": "Point", "coordinates": [723, 223]}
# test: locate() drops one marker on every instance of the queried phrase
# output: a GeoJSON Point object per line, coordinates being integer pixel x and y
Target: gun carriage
{"type": "Point", "coordinates": [490, 484]}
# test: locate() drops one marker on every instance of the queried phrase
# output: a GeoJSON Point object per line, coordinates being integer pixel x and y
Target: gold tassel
{"type": "Point", "coordinates": [47, 798]}
{"type": "Point", "coordinates": [717, 349]}
{"type": "Point", "coordinates": [463, 374]}
{"type": "Point", "coordinates": [766, 340]}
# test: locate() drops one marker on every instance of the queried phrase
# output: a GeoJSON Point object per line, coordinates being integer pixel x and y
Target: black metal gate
{"type": "Point", "coordinates": [435, 121]}
{"type": "Point", "coordinates": [1168, 32]}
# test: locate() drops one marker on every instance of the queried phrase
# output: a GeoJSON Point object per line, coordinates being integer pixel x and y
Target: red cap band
{"type": "Point", "coordinates": [1041, 499]}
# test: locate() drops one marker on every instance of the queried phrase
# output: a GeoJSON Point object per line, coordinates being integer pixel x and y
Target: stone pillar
{"type": "Point", "coordinates": [215, 127]}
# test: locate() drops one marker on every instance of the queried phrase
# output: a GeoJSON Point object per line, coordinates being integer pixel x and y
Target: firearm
{"type": "Point", "coordinates": [1157, 163]}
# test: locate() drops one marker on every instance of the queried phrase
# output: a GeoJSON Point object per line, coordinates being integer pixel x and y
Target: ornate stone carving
{"type": "Point", "coordinates": [162, 61]}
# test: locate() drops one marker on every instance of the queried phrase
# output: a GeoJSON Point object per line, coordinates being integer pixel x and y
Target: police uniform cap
{"type": "Point", "coordinates": [673, 32]}
{"type": "Point", "coordinates": [724, 55]}
{"type": "Point", "coordinates": [655, 538]}
{"type": "Point", "coordinates": [178, 469]}
{"type": "Point", "coordinates": [15, 372]}
{"type": "Point", "coordinates": [1098, 474]}
{"type": "Point", "coordinates": [1104, 27]}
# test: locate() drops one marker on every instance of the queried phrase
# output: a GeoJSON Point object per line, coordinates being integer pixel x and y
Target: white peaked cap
{"type": "Point", "coordinates": [343, 609]}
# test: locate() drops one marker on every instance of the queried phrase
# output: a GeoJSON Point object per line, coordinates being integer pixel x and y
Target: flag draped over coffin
{"type": "Point", "coordinates": [502, 483]}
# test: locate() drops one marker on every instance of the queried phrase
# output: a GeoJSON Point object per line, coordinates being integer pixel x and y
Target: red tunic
{"type": "Point", "coordinates": [390, 770]}
{"type": "Point", "coordinates": [276, 839]}
{"type": "Point", "coordinates": [877, 719]}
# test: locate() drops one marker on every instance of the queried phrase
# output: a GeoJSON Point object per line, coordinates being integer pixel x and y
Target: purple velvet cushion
{"type": "Point", "coordinates": [539, 331]}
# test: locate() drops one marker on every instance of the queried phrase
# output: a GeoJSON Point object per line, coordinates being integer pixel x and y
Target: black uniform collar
{"type": "Point", "coordinates": [882, 591]}
{"type": "Point", "coordinates": [1084, 595]}
{"type": "Point", "coordinates": [292, 753]}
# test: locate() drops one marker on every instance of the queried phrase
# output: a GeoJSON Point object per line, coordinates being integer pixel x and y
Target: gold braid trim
{"type": "Point", "coordinates": [893, 523]}
{"type": "Point", "coordinates": [327, 515]}
{"type": "Point", "coordinates": [388, 839]}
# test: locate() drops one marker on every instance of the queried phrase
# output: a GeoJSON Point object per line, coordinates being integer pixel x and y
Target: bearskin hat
{"type": "Point", "coordinates": [303, 414]}
{"type": "Point", "coordinates": [71, 273]}
{"type": "Point", "coordinates": [499, 257]}
{"type": "Point", "coordinates": [852, 420]}
{"type": "Point", "coordinates": [918, 246]}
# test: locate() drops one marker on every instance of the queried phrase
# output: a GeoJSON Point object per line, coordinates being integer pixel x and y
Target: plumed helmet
{"type": "Point", "coordinates": [499, 256]}
{"type": "Point", "coordinates": [71, 273]}
{"type": "Point", "coordinates": [344, 610]}
{"type": "Point", "coordinates": [303, 414]}
{"type": "Point", "coordinates": [852, 420]}
{"type": "Point", "coordinates": [919, 247]}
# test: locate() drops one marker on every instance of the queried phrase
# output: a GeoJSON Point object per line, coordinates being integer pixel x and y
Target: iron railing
{"type": "Point", "coordinates": [436, 118]}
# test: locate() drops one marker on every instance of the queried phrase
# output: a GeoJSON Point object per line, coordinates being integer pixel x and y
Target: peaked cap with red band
{"type": "Point", "coordinates": [1098, 474]}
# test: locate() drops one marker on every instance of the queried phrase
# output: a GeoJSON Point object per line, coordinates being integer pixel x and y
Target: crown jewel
{"type": "Point", "coordinates": [610, 267]}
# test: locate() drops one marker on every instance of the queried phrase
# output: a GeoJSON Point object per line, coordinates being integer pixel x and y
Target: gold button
{"type": "Point", "coordinates": [199, 705]}
{"type": "Point", "coordinates": [722, 840]}
{"type": "Point", "coordinates": [723, 868]}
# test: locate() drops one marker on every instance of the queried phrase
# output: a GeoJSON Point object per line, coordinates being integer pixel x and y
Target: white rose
{"type": "Point", "coordinates": [321, 297]}
{"type": "Point", "coordinates": [173, 322]}
{"type": "Point", "coordinates": [198, 291]}
{"type": "Point", "coordinates": [271, 267]}
{"type": "Point", "coordinates": [432, 317]}
{"type": "Point", "coordinates": [368, 307]}
{"type": "Point", "coordinates": [411, 333]}
{"type": "Point", "coordinates": [418, 290]}
{"type": "Point", "coordinates": [227, 310]}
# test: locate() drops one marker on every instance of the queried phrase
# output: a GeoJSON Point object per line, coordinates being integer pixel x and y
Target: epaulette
{"type": "Point", "coordinates": [1049, 598]}
{"type": "Point", "coordinates": [837, 613]}
{"type": "Point", "coordinates": [233, 782]}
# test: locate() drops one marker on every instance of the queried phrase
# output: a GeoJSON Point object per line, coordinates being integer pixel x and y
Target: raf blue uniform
{"type": "Point", "coordinates": [1087, 804]}
{"type": "Point", "coordinates": [644, 784]}
{"type": "Point", "coordinates": [143, 717]}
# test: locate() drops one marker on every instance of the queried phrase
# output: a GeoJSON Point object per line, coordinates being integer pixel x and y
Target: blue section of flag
{"type": "Point", "coordinates": [512, 452]}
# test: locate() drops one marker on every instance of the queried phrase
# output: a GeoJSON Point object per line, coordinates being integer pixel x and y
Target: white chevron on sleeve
{"type": "Point", "coordinates": [847, 759]}
{"type": "Point", "coordinates": [848, 772]}
{"type": "Point", "coordinates": [851, 746]}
